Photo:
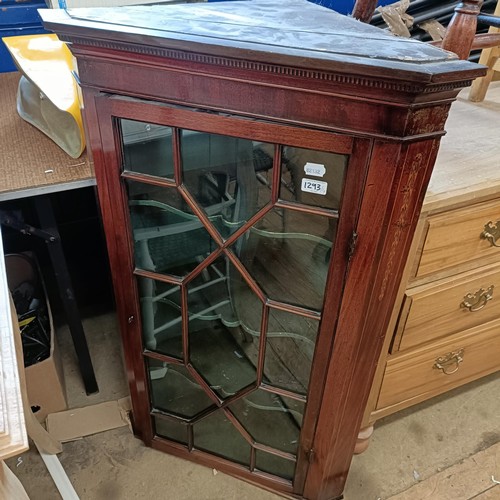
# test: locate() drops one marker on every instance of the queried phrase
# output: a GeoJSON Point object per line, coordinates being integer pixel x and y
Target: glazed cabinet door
{"type": "Point", "coordinates": [229, 243]}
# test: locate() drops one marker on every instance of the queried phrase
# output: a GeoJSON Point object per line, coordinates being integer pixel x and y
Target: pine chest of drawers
{"type": "Point", "coordinates": [446, 321]}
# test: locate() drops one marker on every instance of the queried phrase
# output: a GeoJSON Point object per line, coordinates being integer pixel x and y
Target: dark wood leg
{"type": "Point", "coordinates": [56, 253]}
{"type": "Point", "coordinates": [462, 28]}
{"type": "Point", "coordinates": [364, 10]}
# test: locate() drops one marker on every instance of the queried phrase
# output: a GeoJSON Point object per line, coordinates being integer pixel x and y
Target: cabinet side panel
{"type": "Point", "coordinates": [350, 211]}
{"type": "Point", "coordinates": [101, 140]}
{"type": "Point", "coordinates": [395, 188]}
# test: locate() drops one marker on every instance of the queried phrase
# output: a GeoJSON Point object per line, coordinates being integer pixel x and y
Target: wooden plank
{"type": "Point", "coordinates": [10, 486]}
{"type": "Point", "coordinates": [13, 438]}
{"type": "Point", "coordinates": [59, 476]}
{"type": "Point", "coordinates": [488, 56]}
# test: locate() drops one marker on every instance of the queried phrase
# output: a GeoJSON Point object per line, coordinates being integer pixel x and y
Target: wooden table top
{"type": "Point", "coordinates": [468, 164]}
{"type": "Point", "coordinates": [30, 162]}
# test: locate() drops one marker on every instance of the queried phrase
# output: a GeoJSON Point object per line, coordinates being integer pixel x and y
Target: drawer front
{"type": "Point", "coordinates": [457, 238]}
{"type": "Point", "coordinates": [431, 370]}
{"type": "Point", "coordinates": [451, 306]}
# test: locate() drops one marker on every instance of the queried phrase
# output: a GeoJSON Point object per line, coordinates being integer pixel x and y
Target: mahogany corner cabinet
{"type": "Point", "coordinates": [260, 168]}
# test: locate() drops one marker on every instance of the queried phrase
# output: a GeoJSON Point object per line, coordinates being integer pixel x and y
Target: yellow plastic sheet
{"type": "Point", "coordinates": [48, 95]}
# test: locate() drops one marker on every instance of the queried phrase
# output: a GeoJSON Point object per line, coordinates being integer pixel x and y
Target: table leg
{"type": "Point", "coordinates": [56, 253]}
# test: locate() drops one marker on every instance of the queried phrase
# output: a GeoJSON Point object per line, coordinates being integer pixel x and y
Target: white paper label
{"type": "Point", "coordinates": [314, 169]}
{"type": "Point", "coordinates": [314, 186]}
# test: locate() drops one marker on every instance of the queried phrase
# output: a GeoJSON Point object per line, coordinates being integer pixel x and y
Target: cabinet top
{"type": "Point", "coordinates": [293, 33]}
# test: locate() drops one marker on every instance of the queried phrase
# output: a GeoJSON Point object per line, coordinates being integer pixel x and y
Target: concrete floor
{"type": "Point", "coordinates": [406, 448]}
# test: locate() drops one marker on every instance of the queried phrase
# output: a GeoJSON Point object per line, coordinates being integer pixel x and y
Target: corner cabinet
{"type": "Point", "coordinates": [260, 170]}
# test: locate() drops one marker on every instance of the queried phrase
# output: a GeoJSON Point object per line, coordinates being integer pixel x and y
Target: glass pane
{"type": "Point", "coordinates": [168, 237]}
{"type": "Point", "coordinates": [270, 419]}
{"type": "Point", "coordinates": [312, 177]}
{"type": "Point", "coordinates": [216, 434]}
{"type": "Point", "coordinates": [170, 429]}
{"type": "Point", "coordinates": [273, 464]}
{"type": "Point", "coordinates": [147, 148]}
{"type": "Point", "coordinates": [161, 316]}
{"type": "Point", "coordinates": [224, 328]}
{"type": "Point", "coordinates": [287, 253]}
{"type": "Point", "coordinates": [291, 340]}
{"type": "Point", "coordinates": [174, 391]}
{"type": "Point", "coordinates": [229, 177]}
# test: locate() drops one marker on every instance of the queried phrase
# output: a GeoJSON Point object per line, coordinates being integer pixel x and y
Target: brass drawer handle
{"type": "Point", "coordinates": [450, 363]}
{"type": "Point", "coordinates": [476, 301]}
{"type": "Point", "coordinates": [492, 233]}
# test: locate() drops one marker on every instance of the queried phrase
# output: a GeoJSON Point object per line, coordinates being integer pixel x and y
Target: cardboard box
{"type": "Point", "coordinates": [77, 423]}
{"type": "Point", "coordinates": [45, 379]}
{"type": "Point", "coordinates": [45, 384]}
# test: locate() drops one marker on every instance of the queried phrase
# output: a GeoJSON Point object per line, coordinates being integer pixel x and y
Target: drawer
{"type": "Point", "coordinates": [414, 375]}
{"type": "Point", "coordinates": [455, 238]}
{"type": "Point", "coordinates": [440, 309]}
